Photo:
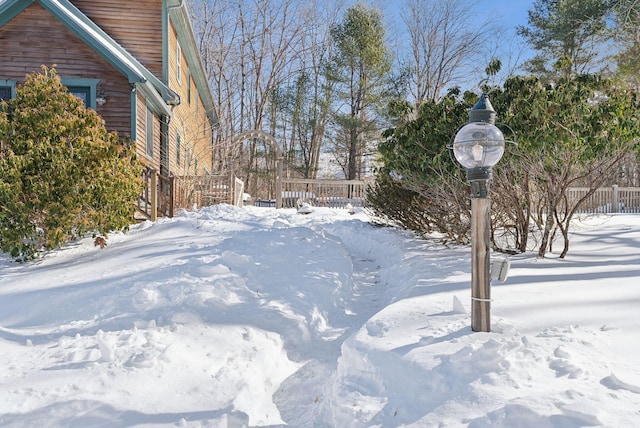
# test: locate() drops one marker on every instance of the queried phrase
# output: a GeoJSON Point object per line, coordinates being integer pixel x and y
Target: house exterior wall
{"type": "Point", "coordinates": [135, 24]}
{"type": "Point", "coordinates": [189, 120]}
{"type": "Point", "coordinates": [25, 47]}
{"type": "Point", "coordinates": [35, 37]}
{"type": "Point", "coordinates": [152, 160]}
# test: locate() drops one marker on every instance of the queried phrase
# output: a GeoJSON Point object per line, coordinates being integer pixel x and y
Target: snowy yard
{"type": "Point", "coordinates": [231, 317]}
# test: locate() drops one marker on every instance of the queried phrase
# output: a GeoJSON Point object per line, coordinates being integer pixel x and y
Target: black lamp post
{"type": "Point", "coordinates": [478, 146]}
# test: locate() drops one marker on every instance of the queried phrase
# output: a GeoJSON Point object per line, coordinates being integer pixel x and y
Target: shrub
{"type": "Point", "coordinates": [62, 175]}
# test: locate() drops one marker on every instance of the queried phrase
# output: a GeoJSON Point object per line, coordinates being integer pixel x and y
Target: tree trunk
{"type": "Point", "coordinates": [353, 152]}
{"type": "Point", "coordinates": [549, 223]}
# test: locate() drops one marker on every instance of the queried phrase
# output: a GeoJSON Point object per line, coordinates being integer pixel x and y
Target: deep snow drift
{"type": "Point", "coordinates": [231, 317]}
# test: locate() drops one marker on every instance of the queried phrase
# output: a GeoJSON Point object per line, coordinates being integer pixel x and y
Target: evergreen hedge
{"type": "Point", "coordinates": [62, 175]}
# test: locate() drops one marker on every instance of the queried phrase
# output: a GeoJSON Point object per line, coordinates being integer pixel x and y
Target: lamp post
{"type": "Point", "coordinates": [478, 146]}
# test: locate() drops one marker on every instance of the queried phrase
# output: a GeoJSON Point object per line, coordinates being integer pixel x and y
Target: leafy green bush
{"type": "Point", "coordinates": [419, 185]}
{"type": "Point", "coordinates": [62, 175]}
{"type": "Point", "coordinates": [575, 133]}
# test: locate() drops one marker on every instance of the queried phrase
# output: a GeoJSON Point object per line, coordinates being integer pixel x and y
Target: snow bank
{"type": "Point", "coordinates": [230, 317]}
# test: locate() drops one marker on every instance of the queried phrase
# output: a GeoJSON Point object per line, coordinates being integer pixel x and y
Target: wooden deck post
{"type": "Point", "coordinates": [279, 182]}
{"type": "Point", "coordinates": [171, 195]}
{"type": "Point", "coordinates": [153, 195]}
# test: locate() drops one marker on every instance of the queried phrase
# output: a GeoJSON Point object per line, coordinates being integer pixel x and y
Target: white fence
{"type": "Point", "coordinates": [612, 199]}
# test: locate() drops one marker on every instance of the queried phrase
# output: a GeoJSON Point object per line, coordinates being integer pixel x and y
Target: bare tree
{"type": "Point", "coordinates": [305, 102]}
{"type": "Point", "coordinates": [444, 42]}
{"type": "Point", "coordinates": [217, 36]}
{"type": "Point", "coordinates": [249, 48]}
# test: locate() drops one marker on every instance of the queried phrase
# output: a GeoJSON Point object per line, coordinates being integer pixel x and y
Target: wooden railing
{"type": "Point", "coordinates": [162, 195]}
{"type": "Point", "coordinates": [612, 199]}
{"type": "Point", "coordinates": [324, 193]}
{"type": "Point", "coordinates": [202, 190]}
{"type": "Point", "coordinates": [147, 203]}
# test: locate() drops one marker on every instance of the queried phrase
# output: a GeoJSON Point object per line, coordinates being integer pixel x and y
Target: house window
{"type": "Point", "coordinates": [7, 89]}
{"type": "Point", "coordinates": [197, 107]}
{"type": "Point", "coordinates": [5, 93]}
{"type": "Point", "coordinates": [178, 63]}
{"type": "Point", "coordinates": [187, 157]}
{"type": "Point", "coordinates": [85, 89]}
{"type": "Point", "coordinates": [178, 148]}
{"type": "Point", "coordinates": [149, 132]}
{"type": "Point", "coordinates": [188, 86]}
{"type": "Point", "coordinates": [82, 92]}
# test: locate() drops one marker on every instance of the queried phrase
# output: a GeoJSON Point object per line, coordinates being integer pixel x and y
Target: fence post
{"type": "Point", "coordinates": [614, 199]}
{"type": "Point", "coordinates": [238, 191]}
{"type": "Point", "coordinates": [153, 196]}
{"type": "Point", "coordinates": [171, 195]}
{"type": "Point", "coordinates": [279, 182]}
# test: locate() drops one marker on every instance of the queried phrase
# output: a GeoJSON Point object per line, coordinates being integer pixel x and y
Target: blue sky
{"type": "Point", "coordinates": [512, 12]}
{"type": "Point", "coordinates": [507, 13]}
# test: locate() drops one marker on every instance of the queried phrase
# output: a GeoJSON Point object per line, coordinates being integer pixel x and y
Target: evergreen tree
{"type": "Point", "coordinates": [627, 36]}
{"type": "Point", "coordinates": [362, 63]}
{"type": "Point", "coordinates": [62, 175]}
{"type": "Point", "coordinates": [568, 36]}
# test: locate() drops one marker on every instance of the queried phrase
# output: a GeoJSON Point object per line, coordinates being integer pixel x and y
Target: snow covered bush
{"type": "Point", "coordinates": [62, 175]}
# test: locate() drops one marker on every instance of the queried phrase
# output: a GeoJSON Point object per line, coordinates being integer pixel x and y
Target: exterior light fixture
{"type": "Point", "coordinates": [478, 146]}
{"type": "Point", "coordinates": [101, 99]}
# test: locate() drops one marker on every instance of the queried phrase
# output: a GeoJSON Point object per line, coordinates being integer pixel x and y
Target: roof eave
{"type": "Point", "coordinates": [108, 48]}
{"type": "Point", "coordinates": [152, 96]}
{"type": "Point", "coordinates": [9, 9]}
{"type": "Point", "coordinates": [180, 18]}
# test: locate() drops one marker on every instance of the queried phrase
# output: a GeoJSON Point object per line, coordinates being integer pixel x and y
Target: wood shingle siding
{"type": "Point", "coordinates": [195, 130]}
{"type": "Point", "coordinates": [124, 51]}
{"type": "Point", "coordinates": [135, 25]}
{"type": "Point", "coordinates": [25, 47]}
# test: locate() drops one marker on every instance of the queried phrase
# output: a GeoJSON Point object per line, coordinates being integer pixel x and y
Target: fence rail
{"type": "Point", "coordinates": [612, 199]}
{"type": "Point", "coordinates": [162, 195]}
{"type": "Point", "coordinates": [203, 190]}
{"type": "Point", "coordinates": [324, 193]}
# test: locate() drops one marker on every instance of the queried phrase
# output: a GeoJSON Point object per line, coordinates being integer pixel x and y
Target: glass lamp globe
{"type": "Point", "coordinates": [478, 145]}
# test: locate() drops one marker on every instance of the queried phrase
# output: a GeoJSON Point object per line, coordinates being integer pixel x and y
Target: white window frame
{"type": "Point", "coordinates": [178, 149]}
{"type": "Point", "coordinates": [149, 132]}
{"type": "Point", "coordinates": [178, 62]}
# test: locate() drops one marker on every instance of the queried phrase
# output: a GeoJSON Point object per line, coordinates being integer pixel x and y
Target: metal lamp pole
{"type": "Point", "coordinates": [478, 146]}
